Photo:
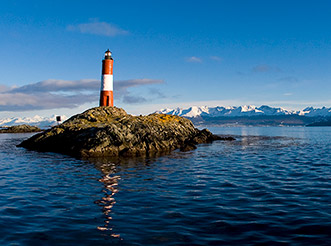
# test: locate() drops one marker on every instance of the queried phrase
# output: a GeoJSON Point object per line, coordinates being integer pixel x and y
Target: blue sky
{"type": "Point", "coordinates": [166, 54]}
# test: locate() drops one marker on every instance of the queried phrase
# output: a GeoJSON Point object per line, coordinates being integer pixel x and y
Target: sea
{"type": "Point", "coordinates": [270, 186]}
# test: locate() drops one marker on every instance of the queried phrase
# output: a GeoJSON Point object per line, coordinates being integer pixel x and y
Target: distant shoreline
{"type": "Point", "coordinates": [20, 129]}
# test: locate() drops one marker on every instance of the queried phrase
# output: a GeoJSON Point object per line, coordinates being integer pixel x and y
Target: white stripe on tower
{"type": "Point", "coordinates": [107, 82]}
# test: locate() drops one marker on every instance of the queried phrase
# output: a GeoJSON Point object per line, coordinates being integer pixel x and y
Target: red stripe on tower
{"type": "Point", "coordinates": [106, 94]}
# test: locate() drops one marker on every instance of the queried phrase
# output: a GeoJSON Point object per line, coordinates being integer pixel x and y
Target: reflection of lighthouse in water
{"type": "Point", "coordinates": [106, 94]}
{"type": "Point", "coordinates": [110, 182]}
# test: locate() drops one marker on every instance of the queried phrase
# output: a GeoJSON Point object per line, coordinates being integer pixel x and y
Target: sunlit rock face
{"type": "Point", "coordinates": [110, 131]}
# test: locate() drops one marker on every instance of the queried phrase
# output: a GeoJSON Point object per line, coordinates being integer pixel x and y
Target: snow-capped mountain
{"type": "Point", "coordinates": [246, 110]}
{"type": "Point", "coordinates": [42, 122]}
{"type": "Point", "coordinates": [316, 112]}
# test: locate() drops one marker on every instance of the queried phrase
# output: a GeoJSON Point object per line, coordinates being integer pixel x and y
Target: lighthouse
{"type": "Point", "coordinates": [106, 94]}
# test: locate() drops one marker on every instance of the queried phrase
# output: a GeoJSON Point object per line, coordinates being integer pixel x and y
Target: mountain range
{"type": "Point", "coordinates": [246, 110]}
{"type": "Point", "coordinates": [232, 115]}
{"type": "Point", "coordinates": [39, 121]}
{"type": "Point", "coordinates": [251, 115]}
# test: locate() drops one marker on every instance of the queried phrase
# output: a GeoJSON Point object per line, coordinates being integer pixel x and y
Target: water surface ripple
{"type": "Point", "coordinates": [271, 187]}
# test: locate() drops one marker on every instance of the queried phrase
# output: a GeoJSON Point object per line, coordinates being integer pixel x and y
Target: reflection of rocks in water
{"type": "Point", "coordinates": [112, 165]}
{"type": "Point", "coordinates": [110, 181]}
{"type": "Point", "coordinates": [109, 164]}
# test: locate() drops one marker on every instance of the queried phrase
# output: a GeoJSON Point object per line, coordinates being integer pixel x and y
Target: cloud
{"type": "Point", "coordinates": [261, 69]}
{"type": "Point", "coordinates": [56, 85]}
{"type": "Point", "coordinates": [97, 28]}
{"type": "Point", "coordinates": [4, 88]}
{"type": "Point", "coordinates": [216, 58]}
{"type": "Point", "coordinates": [23, 102]}
{"type": "Point", "coordinates": [240, 73]}
{"type": "Point", "coordinates": [193, 59]}
{"type": "Point", "coordinates": [124, 84]}
{"type": "Point", "coordinates": [133, 99]}
{"type": "Point", "coordinates": [157, 93]}
{"type": "Point", "coordinates": [288, 94]}
{"type": "Point", "coordinates": [122, 93]}
{"type": "Point", "coordinates": [52, 93]}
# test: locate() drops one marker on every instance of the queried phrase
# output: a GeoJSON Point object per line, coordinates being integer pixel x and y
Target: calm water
{"type": "Point", "coordinates": [271, 187]}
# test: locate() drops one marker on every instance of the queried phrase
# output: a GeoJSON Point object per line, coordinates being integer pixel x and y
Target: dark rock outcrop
{"type": "Point", "coordinates": [20, 129]}
{"type": "Point", "coordinates": [110, 131]}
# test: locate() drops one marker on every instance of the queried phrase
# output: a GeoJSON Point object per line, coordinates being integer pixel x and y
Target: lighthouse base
{"type": "Point", "coordinates": [106, 98]}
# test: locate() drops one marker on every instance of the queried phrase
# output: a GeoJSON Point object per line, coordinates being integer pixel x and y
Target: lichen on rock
{"type": "Point", "coordinates": [110, 131]}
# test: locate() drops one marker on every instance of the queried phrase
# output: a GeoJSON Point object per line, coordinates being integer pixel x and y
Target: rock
{"type": "Point", "coordinates": [110, 131]}
{"type": "Point", "coordinates": [20, 129]}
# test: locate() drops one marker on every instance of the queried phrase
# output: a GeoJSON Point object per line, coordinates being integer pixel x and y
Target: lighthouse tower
{"type": "Point", "coordinates": [106, 94]}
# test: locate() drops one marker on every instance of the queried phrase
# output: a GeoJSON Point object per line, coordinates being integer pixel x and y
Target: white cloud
{"type": "Point", "coordinates": [57, 85]}
{"type": "Point", "coordinates": [194, 59]}
{"type": "Point", "coordinates": [22, 102]}
{"type": "Point", "coordinates": [52, 93]}
{"type": "Point", "coordinates": [216, 58]}
{"type": "Point", "coordinates": [4, 88]}
{"type": "Point", "coordinates": [97, 28]}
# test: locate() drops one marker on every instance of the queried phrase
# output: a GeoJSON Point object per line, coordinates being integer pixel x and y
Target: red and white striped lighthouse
{"type": "Point", "coordinates": [106, 94]}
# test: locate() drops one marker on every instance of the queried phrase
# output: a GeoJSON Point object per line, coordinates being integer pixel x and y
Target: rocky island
{"type": "Point", "coordinates": [110, 131]}
{"type": "Point", "coordinates": [20, 129]}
